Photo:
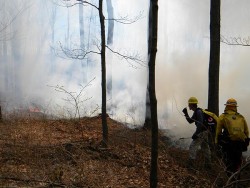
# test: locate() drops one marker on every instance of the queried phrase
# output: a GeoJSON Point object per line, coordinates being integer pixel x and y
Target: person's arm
{"type": "Point", "coordinates": [218, 128]}
{"type": "Point", "coordinates": [246, 131]}
{"type": "Point", "coordinates": [189, 120]}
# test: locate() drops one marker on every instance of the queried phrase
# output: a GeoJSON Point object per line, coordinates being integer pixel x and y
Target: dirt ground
{"type": "Point", "coordinates": [67, 153]}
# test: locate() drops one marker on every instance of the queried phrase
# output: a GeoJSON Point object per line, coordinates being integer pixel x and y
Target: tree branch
{"type": "Point", "coordinates": [74, 98]}
{"type": "Point", "coordinates": [126, 20]}
{"type": "Point", "coordinates": [135, 57]}
{"type": "Point", "coordinates": [69, 3]}
{"type": "Point", "coordinates": [76, 53]}
{"type": "Point", "coordinates": [235, 41]}
{"type": "Point", "coordinates": [6, 25]}
{"type": "Point", "coordinates": [230, 182]}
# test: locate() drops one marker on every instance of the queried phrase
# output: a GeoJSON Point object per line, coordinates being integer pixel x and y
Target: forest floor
{"type": "Point", "coordinates": [67, 153]}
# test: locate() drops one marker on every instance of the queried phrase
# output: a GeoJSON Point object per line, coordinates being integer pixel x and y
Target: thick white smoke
{"type": "Point", "coordinates": [181, 65]}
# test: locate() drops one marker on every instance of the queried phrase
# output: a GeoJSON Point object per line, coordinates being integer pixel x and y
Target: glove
{"type": "Point", "coordinates": [185, 111]}
{"type": "Point", "coordinates": [194, 137]}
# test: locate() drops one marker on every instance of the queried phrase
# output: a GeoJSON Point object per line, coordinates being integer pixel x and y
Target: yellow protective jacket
{"type": "Point", "coordinates": [234, 123]}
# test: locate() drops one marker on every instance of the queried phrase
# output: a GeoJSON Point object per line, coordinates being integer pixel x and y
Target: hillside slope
{"type": "Point", "coordinates": [66, 153]}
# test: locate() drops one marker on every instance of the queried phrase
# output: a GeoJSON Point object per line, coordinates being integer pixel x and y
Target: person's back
{"type": "Point", "coordinates": [235, 124]}
{"type": "Point", "coordinates": [235, 132]}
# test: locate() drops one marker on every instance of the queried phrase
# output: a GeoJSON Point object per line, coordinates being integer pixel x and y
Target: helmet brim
{"type": "Point", "coordinates": [231, 105]}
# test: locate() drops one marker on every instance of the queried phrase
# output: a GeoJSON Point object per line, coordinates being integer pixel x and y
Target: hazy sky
{"type": "Point", "coordinates": [181, 65]}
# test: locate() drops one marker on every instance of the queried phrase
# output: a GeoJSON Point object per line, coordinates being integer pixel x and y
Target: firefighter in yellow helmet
{"type": "Point", "coordinates": [232, 135]}
{"type": "Point", "coordinates": [200, 136]}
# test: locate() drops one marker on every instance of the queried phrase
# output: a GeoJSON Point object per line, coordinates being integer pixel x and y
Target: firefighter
{"type": "Point", "coordinates": [232, 135]}
{"type": "Point", "coordinates": [200, 136]}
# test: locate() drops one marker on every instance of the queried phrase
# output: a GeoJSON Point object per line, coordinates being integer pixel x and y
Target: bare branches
{"type": "Point", "coordinates": [127, 20]}
{"type": "Point", "coordinates": [71, 3]}
{"type": "Point", "coordinates": [74, 98]}
{"type": "Point", "coordinates": [80, 54]}
{"type": "Point", "coordinates": [75, 53]}
{"type": "Point", "coordinates": [122, 19]}
{"type": "Point", "coordinates": [6, 24]}
{"type": "Point", "coordinates": [235, 41]}
{"type": "Point", "coordinates": [233, 179]}
{"type": "Point", "coordinates": [129, 57]}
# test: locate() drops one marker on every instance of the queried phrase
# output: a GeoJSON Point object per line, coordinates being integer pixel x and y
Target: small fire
{"type": "Point", "coordinates": [34, 109]}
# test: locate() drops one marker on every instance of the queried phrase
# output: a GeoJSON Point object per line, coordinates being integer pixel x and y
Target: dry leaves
{"type": "Point", "coordinates": [66, 153]}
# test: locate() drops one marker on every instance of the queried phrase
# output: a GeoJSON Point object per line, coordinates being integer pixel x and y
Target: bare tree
{"type": "Point", "coordinates": [83, 53]}
{"type": "Point", "coordinates": [103, 65]}
{"type": "Point", "coordinates": [74, 98]}
{"type": "Point", "coordinates": [152, 49]}
{"type": "Point", "coordinates": [102, 52]}
{"type": "Point", "coordinates": [147, 122]}
{"type": "Point", "coordinates": [110, 11]}
{"type": "Point", "coordinates": [8, 34]}
{"type": "Point", "coordinates": [214, 60]}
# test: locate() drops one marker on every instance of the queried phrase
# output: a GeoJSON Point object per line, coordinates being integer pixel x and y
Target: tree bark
{"type": "Point", "coordinates": [103, 65]}
{"type": "Point", "coordinates": [214, 61]}
{"type": "Point", "coordinates": [147, 122]}
{"type": "Point", "coordinates": [153, 29]}
{"type": "Point", "coordinates": [1, 117]}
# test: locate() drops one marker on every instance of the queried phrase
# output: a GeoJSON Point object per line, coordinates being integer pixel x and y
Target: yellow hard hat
{"type": "Point", "coordinates": [231, 102]}
{"type": "Point", "coordinates": [192, 100]}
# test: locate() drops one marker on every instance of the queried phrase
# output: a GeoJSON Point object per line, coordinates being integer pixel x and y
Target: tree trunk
{"type": "Point", "coordinates": [1, 117]}
{"type": "Point", "coordinates": [14, 63]}
{"type": "Point", "coordinates": [147, 122]}
{"type": "Point", "coordinates": [214, 61]}
{"type": "Point", "coordinates": [153, 29]}
{"type": "Point", "coordinates": [110, 11]}
{"type": "Point", "coordinates": [81, 28]}
{"type": "Point", "coordinates": [67, 41]}
{"type": "Point", "coordinates": [52, 24]}
{"type": "Point", "coordinates": [111, 22]}
{"type": "Point", "coordinates": [5, 63]}
{"type": "Point", "coordinates": [103, 65]}
{"type": "Point", "coordinates": [6, 69]}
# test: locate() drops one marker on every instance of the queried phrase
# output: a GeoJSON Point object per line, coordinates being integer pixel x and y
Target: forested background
{"type": "Point", "coordinates": [40, 40]}
{"type": "Point", "coordinates": [91, 89]}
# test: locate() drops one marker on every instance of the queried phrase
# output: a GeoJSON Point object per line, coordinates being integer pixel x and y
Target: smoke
{"type": "Point", "coordinates": [36, 65]}
{"type": "Point", "coordinates": [183, 58]}
{"type": "Point", "coordinates": [34, 59]}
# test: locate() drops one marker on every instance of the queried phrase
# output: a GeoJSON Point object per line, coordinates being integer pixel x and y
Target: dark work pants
{"type": "Point", "coordinates": [233, 156]}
